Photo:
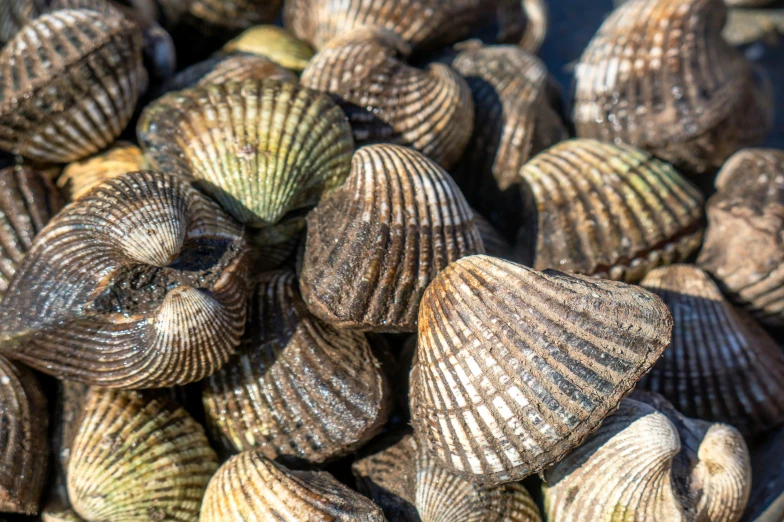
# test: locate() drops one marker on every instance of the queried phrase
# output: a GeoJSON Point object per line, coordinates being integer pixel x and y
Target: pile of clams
{"type": "Point", "coordinates": [366, 260]}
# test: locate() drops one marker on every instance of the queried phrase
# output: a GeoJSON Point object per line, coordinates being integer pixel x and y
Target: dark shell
{"type": "Point", "coordinates": [220, 15]}
{"type": "Point", "coordinates": [495, 244]}
{"type": "Point", "coordinates": [15, 14]}
{"type": "Point", "coordinates": [236, 67]}
{"type": "Point", "coordinates": [766, 503]}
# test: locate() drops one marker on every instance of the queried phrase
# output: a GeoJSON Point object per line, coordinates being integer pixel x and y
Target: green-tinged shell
{"type": "Point", "coordinates": [374, 245]}
{"type": "Point", "coordinates": [238, 67]}
{"type": "Point", "coordinates": [220, 15]}
{"type": "Point", "coordinates": [141, 283]}
{"type": "Point", "coordinates": [274, 43]}
{"type": "Point", "coordinates": [514, 367]}
{"type": "Point", "coordinates": [70, 84]}
{"type": "Point", "coordinates": [250, 487]}
{"type": "Point", "coordinates": [260, 148]}
{"type": "Point", "coordinates": [298, 389]}
{"type": "Point", "coordinates": [79, 177]}
{"type": "Point", "coordinates": [612, 211]}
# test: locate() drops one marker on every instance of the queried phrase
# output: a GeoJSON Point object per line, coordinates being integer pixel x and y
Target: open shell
{"type": "Point", "coordinates": [273, 43]}
{"type": "Point", "coordinates": [81, 177]}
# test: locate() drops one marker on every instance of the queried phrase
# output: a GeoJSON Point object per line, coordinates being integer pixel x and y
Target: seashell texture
{"type": "Point", "coordinates": [139, 284]}
{"type": "Point", "coordinates": [721, 365]}
{"type": "Point", "coordinates": [239, 67]}
{"type": "Point", "coordinates": [15, 14]}
{"type": "Point", "coordinates": [388, 101]}
{"type": "Point", "coordinates": [659, 76]}
{"type": "Point", "coordinates": [611, 211]}
{"type": "Point", "coordinates": [375, 244]}
{"type": "Point", "coordinates": [136, 456]}
{"type": "Point", "coordinates": [220, 15]}
{"type": "Point", "coordinates": [648, 462]}
{"type": "Point", "coordinates": [261, 149]}
{"type": "Point", "coordinates": [273, 43]}
{"type": "Point", "coordinates": [525, 21]}
{"type": "Point", "coordinates": [410, 485]}
{"type": "Point", "coordinates": [250, 487]}
{"type": "Point", "coordinates": [23, 448]}
{"type": "Point", "coordinates": [73, 95]}
{"type": "Point", "coordinates": [515, 367]}
{"type": "Point", "coordinates": [745, 26]}
{"type": "Point", "coordinates": [297, 388]}
{"type": "Point", "coordinates": [80, 177]}
{"type": "Point", "coordinates": [744, 247]}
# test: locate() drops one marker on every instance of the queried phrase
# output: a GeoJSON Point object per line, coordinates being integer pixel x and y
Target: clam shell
{"type": "Point", "coordinates": [274, 43]}
{"type": "Point", "coordinates": [745, 26]}
{"type": "Point", "coordinates": [15, 14]}
{"type": "Point", "coordinates": [80, 177]}
{"type": "Point", "coordinates": [141, 283]}
{"type": "Point", "coordinates": [220, 15]}
{"type": "Point", "coordinates": [612, 211]}
{"type": "Point", "coordinates": [261, 149]}
{"type": "Point", "coordinates": [72, 97]}
{"type": "Point", "coordinates": [721, 365]}
{"type": "Point", "coordinates": [375, 244]}
{"type": "Point", "coordinates": [23, 448]}
{"type": "Point", "coordinates": [250, 487]}
{"type": "Point", "coordinates": [515, 367]}
{"type": "Point", "coordinates": [658, 75]}
{"type": "Point", "coordinates": [239, 67]}
{"type": "Point", "coordinates": [388, 101]}
{"type": "Point", "coordinates": [648, 462]}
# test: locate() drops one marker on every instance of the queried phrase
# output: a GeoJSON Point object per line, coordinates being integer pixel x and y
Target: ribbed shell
{"type": "Point", "coordinates": [375, 244]}
{"type": "Point", "coordinates": [611, 211]}
{"type": "Point", "coordinates": [231, 15]}
{"type": "Point", "coordinates": [297, 388]}
{"type": "Point", "coordinates": [274, 43]}
{"type": "Point", "coordinates": [658, 75]}
{"type": "Point", "coordinates": [251, 488]}
{"type": "Point", "coordinates": [141, 283]}
{"type": "Point", "coordinates": [515, 367]}
{"type": "Point", "coordinates": [647, 462]}
{"type": "Point", "coordinates": [239, 67]}
{"type": "Point", "coordinates": [260, 148]}
{"type": "Point", "coordinates": [388, 101]}
{"type": "Point", "coordinates": [80, 177]}
{"type": "Point", "coordinates": [23, 448]}
{"type": "Point", "coordinates": [721, 365]}
{"type": "Point", "coordinates": [15, 14]}
{"type": "Point", "coordinates": [69, 82]}
{"type": "Point", "coordinates": [137, 457]}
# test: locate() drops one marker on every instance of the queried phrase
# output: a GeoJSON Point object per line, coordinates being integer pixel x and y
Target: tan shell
{"type": "Point", "coordinates": [237, 67]}
{"type": "Point", "coordinates": [275, 44]}
{"type": "Point", "coordinates": [80, 177]}
{"type": "Point", "coordinates": [375, 244]}
{"type": "Point", "coordinates": [745, 26]}
{"type": "Point", "coordinates": [15, 14]}
{"type": "Point", "coordinates": [515, 367]}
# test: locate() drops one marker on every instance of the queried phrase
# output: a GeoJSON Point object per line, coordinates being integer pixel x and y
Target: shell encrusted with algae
{"type": "Point", "coordinates": [275, 44]}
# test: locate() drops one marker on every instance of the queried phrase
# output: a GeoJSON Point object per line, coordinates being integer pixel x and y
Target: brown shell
{"type": "Point", "coordinates": [515, 367]}
{"type": "Point", "coordinates": [141, 283]}
{"type": "Point", "coordinates": [375, 244]}
{"type": "Point", "coordinates": [79, 177]}
{"type": "Point", "coordinates": [236, 67]}
{"type": "Point", "coordinates": [220, 15]}
{"type": "Point", "coordinates": [15, 14]}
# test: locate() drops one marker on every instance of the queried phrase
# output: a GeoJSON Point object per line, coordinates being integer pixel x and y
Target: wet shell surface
{"type": "Point", "coordinates": [275, 44]}
{"type": "Point", "coordinates": [375, 244]}
{"type": "Point", "coordinates": [611, 211]}
{"type": "Point", "coordinates": [139, 284]}
{"type": "Point", "coordinates": [69, 84]}
{"type": "Point", "coordinates": [744, 246]}
{"type": "Point", "coordinates": [388, 101]}
{"type": "Point", "coordinates": [23, 445]}
{"type": "Point", "coordinates": [298, 388]}
{"type": "Point", "coordinates": [658, 75]}
{"type": "Point", "coordinates": [648, 462]}
{"type": "Point", "coordinates": [238, 67]}
{"type": "Point", "coordinates": [136, 456]}
{"type": "Point", "coordinates": [15, 14]}
{"type": "Point", "coordinates": [252, 488]}
{"type": "Point", "coordinates": [79, 177]}
{"type": "Point", "coordinates": [515, 367]}
{"type": "Point", "coordinates": [721, 365]}
{"type": "Point", "coordinates": [260, 148]}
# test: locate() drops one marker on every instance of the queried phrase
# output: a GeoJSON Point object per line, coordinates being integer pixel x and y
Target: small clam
{"type": "Point", "coordinates": [141, 283]}
{"type": "Point", "coordinates": [375, 244]}
{"type": "Point", "coordinates": [388, 101]}
{"type": "Point", "coordinates": [612, 211]}
{"type": "Point", "coordinates": [649, 462]}
{"type": "Point", "coordinates": [79, 177]}
{"type": "Point", "coordinates": [515, 367]}
{"type": "Point", "coordinates": [238, 67]}
{"type": "Point", "coordinates": [273, 43]}
{"type": "Point", "coordinates": [250, 487]}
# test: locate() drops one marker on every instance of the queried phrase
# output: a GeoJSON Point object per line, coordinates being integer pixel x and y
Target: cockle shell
{"type": "Point", "coordinates": [515, 367]}
{"type": "Point", "coordinates": [375, 244]}
{"type": "Point", "coordinates": [238, 67]}
{"type": "Point", "coordinates": [73, 96]}
{"type": "Point", "coordinates": [249, 487]}
{"type": "Point", "coordinates": [388, 101]}
{"type": "Point", "coordinates": [273, 43]}
{"type": "Point", "coordinates": [648, 462]}
{"type": "Point", "coordinates": [80, 177]}
{"type": "Point", "coordinates": [141, 283]}
{"type": "Point", "coordinates": [15, 14]}
{"type": "Point", "coordinates": [721, 366]}
{"type": "Point", "coordinates": [220, 15]}
{"type": "Point", "coordinates": [612, 211]}
{"type": "Point", "coordinates": [297, 388]}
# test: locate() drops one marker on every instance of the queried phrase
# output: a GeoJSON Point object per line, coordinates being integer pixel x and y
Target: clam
{"type": "Point", "coordinates": [238, 67]}
{"type": "Point", "coordinates": [273, 43]}
{"type": "Point", "coordinates": [515, 367]}
{"type": "Point", "coordinates": [388, 101]}
{"type": "Point", "coordinates": [721, 365]}
{"type": "Point", "coordinates": [612, 211]}
{"type": "Point", "coordinates": [210, 16]}
{"type": "Point", "coordinates": [298, 388]}
{"type": "Point", "coordinates": [251, 487]}
{"type": "Point", "coordinates": [141, 283]}
{"type": "Point", "coordinates": [410, 485]}
{"type": "Point", "coordinates": [745, 26]}
{"type": "Point", "coordinates": [79, 177]}
{"type": "Point", "coordinates": [659, 76]}
{"type": "Point", "coordinates": [374, 245]}
{"type": "Point", "coordinates": [15, 14]}
{"type": "Point", "coordinates": [68, 99]}
{"type": "Point", "coordinates": [649, 462]}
